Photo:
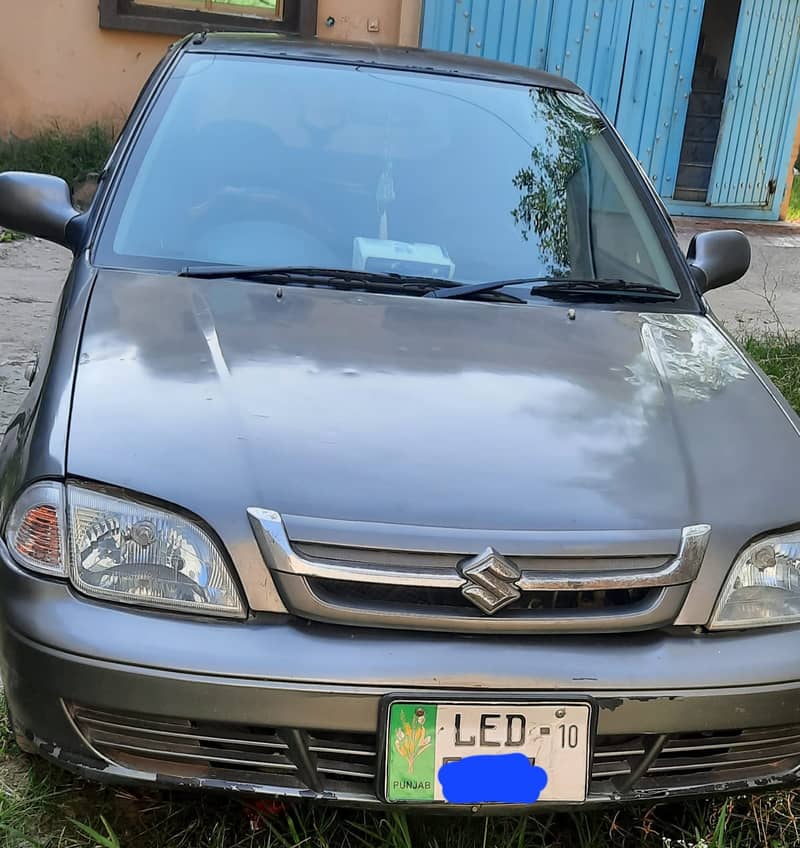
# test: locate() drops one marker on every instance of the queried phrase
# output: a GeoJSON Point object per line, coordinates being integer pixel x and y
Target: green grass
{"type": "Point", "coordinates": [794, 201]}
{"type": "Point", "coordinates": [73, 156]}
{"type": "Point", "coordinates": [70, 155]}
{"type": "Point", "coordinates": [43, 807]}
{"type": "Point", "coordinates": [780, 359]}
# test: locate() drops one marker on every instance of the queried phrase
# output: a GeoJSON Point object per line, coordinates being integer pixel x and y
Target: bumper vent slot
{"type": "Point", "coordinates": [344, 757]}
{"type": "Point", "coordinates": [345, 764]}
{"type": "Point", "coordinates": [231, 753]}
{"type": "Point", "coordinates": [185, 749]}
{"type": "Point", "coordinates": [688, 761]}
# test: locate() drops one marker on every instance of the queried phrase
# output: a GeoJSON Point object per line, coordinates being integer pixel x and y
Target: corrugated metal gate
{"type": "Point", "coordinates": [630, 56]}
{"type": "Point", "coordinates": [656, 84]}
{"type": "Point", "coordinates": [637, 59]}
{"type": "Point", "coordinates": [758, 112]}
{"type": "Point", "coordinates": [583, 40]}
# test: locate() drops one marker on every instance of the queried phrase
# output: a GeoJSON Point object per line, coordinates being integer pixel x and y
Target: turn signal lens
{"type": "Point", "coordinates": [35, 529]}
{"type": "Point", "coordinates": [38, 536]}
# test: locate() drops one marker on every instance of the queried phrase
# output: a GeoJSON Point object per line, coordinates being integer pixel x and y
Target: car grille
{"type": "Point", "coordinates": [554, 582]}
{"type": "Point", "coordinates": [346, 593]}
{"type": "Point", "coordinates": [343, 765]}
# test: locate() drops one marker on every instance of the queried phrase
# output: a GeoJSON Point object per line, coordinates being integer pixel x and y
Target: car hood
{"type": "Point", "coordinates": [220, 395]}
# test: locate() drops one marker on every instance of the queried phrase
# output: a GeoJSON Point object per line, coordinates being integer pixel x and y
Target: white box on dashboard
{"type": "Point", "coordinates": [401, 257]}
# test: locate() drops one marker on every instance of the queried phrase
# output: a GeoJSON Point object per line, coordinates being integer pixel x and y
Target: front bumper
{"type": "Point", "coordinates": [289, 708]}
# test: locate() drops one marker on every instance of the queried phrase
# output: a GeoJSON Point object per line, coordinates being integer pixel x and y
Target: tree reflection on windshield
{"type": "Point", "coordinates": [546, 183]}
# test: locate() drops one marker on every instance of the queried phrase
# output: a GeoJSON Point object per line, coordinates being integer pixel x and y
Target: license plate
{"type": "Point", "coordinates": [485, 753]}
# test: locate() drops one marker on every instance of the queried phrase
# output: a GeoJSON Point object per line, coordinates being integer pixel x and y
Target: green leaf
{"type": "Point", "coordinates": [108, 841]}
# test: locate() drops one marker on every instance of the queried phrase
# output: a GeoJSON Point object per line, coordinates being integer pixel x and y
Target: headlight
{"type": "Point", "coordinates": [763, 587]}
{"type": "Point", "coordinates": [121, 550]}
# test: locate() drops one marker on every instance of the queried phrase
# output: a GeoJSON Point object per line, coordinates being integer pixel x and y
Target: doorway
{"type": "Point", "coordinates": [707, 99]}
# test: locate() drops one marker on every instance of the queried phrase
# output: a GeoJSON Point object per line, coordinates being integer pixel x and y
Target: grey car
{"type": "Point", "coordinates": [385, 451]}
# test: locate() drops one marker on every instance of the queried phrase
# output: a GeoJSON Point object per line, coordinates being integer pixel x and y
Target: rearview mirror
{"type": "Point", "coordinates": [38, 205]}
{"type": "Point", "coordinates": [718, 258]}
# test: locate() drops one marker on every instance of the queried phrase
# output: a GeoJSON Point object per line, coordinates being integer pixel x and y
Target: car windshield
{"type": "Point", "coordinates": [271, 162]}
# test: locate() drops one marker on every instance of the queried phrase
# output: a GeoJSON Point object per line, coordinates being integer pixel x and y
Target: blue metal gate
{"type": "Point", "coordinates": [656, 84]}
{"type": "Point", "coordinates": [749, 166]}
{"type": "Point", "coordinates": [636, 58]}
{"type": "Point", "coordinates": [586, 43]}
{"type": "Point", "coordinates": [630, 55]}
{"type": "Point", "coordinates": [583, 40]}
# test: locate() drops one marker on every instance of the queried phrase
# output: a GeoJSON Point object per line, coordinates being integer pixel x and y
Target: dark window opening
{"type": "Point", "coordinates": [178, 17]}
{"type": "Point", "coordinates": [707, 99]}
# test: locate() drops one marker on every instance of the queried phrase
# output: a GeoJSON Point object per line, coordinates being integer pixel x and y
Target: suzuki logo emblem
{"type": "Point", "coordinates": [490, 581]}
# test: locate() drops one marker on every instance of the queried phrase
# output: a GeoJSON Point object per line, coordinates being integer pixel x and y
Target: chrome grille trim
{"type": "Point", "coordinates": [414, 559]}
{"type": "Point", "coordinates": [334, 751]}
{"type": "Point", "coordinates": [346, 771]}
{"type": "Point", "coordinates": [416, 538]}
{"type": "Point", "coordinates": [281, 556]}
{"type": "Point", "coordinates": [101, 725]}
{"type": "Point", "coordinates": [619, 755]}
{"type": "Point", "coordinates": [715, 763]}
{"type": "Point", "coordinates": [316, 587]}
{"type": "Point", "coordinates": [224, 757]}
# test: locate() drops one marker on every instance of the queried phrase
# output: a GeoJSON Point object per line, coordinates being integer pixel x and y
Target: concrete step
{"type": "Point", "coordinates": [705, 103]}
{"type": "Point", "coordinates": [709, 84]}
{"type": "Point", "coordinates": [693, 175]}
{"type": "Point", "coordinates": [707, 62]}
{"type": "Point", "coordinates": [693, 195]}
{"type": "Point", "coordinates": [701, 152]}
{"type": "Point", "coordinates": [702, 127]}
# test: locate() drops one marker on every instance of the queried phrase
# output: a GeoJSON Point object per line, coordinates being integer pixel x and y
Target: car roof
{"type": "Point", "coordinates": [275, 45]}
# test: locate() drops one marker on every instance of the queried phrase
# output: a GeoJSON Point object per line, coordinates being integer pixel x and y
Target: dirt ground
{"type": "Point", "coordinates": [32, 273]}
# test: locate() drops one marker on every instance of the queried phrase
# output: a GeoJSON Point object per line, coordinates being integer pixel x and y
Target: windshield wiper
{"type": "Point", "coordinates": [557, 286]}
{"type": "Point", "coordinates": [339, 278]}
{"type": "Point", "coordinates": [336, 277]}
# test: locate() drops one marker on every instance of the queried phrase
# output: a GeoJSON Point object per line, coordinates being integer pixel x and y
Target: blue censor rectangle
{"type": "Point", "coordinates": [492, 779]}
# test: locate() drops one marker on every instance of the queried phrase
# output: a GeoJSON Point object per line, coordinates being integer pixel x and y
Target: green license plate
{"type": "Point", "coordinates": [485, 753]}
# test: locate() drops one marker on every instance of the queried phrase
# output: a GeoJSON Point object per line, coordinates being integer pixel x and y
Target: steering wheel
{"type": "Point", "coordinates": [260, 230]}
{"type": "Point", "coordinates": [232, 203]}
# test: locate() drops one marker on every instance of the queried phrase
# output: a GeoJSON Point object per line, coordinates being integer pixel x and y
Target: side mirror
{"type": "Point", "coordinates": [718, 258]}
{"type": "Point", "coordinates": [38, 205]}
